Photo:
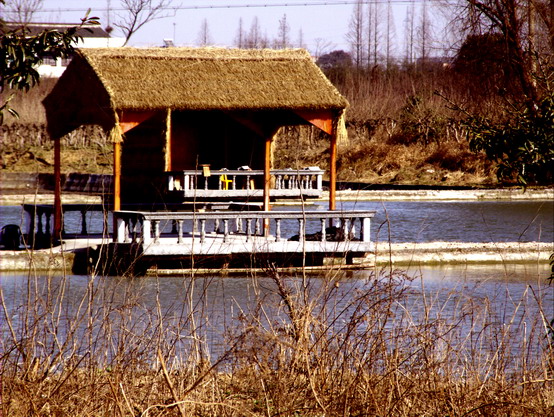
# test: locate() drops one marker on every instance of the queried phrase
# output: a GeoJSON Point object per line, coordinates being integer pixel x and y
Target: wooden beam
{"type": "Point", "coordinates": [322, 119]}
{"type": "Point", "coordinates": [129, 119]}
{"type": "Point", "coordinates": [57, 190]}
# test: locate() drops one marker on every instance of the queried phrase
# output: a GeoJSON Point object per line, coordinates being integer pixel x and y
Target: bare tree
{"type": "Point", "coordinates": [300, 41]}
{"type": "Point", "coordinates": [255, 39]}
{"type": "Point", "coordinates": [391, 35]}
{"type": "Point", "coordinates": [409, 32]}
{"type": "Point", "coordinates": [241, 36]}
{"type": "Point", "coordinates": [373, 32]}
{"type": "Point", "coordinates": [22, 11]}
{"type": "Point", "coordinates": [424, 33]}
{"type": "Point", "coordinates": [137, 13]}
{"type": "Point", "coordinates": [544, 18]}
{"type": "Point", "coordinates": [511, 19]}
{"type": "Point", "coordinates": [204, 38]}
{"type": "Point", "coordinates": [356, 34]}
{"type": "Point", "coordinates": [283, 34]}
{"type": "Point", "coordinates": [321, 47]}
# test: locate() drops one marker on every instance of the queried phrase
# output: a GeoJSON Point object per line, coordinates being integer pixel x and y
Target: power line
{"type": "Point", "coordinates": [239, 6]}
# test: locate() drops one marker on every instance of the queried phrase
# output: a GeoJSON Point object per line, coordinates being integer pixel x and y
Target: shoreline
{"type": "Point", "coordinates": [494, 194]}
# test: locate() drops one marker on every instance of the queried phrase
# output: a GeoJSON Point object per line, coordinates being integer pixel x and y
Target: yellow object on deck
{"type": "Point", "coordinates": [223, 178]}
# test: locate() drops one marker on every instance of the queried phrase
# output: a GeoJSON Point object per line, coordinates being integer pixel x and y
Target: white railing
{"type": "Point", "coordinates": [326, 226]}
{"type": "Point", "coordinates": [242, 183]}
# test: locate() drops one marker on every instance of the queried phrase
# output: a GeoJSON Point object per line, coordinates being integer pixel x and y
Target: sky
{"type": "Point", "coordinates": [322, 22]}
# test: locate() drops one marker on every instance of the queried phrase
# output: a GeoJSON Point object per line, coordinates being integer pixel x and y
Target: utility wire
{"type": "Point", "coordinates": [240, 6]}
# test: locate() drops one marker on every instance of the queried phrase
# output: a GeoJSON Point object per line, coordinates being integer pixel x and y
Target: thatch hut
{"type": "Point", "coordinates": [175, 108]}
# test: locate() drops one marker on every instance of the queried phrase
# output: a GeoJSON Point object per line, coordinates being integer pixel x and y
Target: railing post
{"type": "Point", "coordinates": [84, 222]}
{"type": "Point", "coordinates": [30, 221]}
{"type": "Point", "coordinates": [133, 229]}
{"type": "Point", "coordinates": [47, 228]}
{"type": "Point", "coordinates": [186, 182]}
{"type": "Point", "coordinates": [179, 231]}
{"type": "Point", "coordinates": [39, 223]}
{"type": "Point", "coordinates": [345, 226]}
{"type": "Point", "coordinates": [319, 179]}
{"type": "Point", "coordinates": [323, 230]}
{"type": "Point", "coordinates": [366, 223]}
{"type": "Point", "coordinates": [170, 183]}
{"type": "Point", "coordinates": [202, 230]}
{"type": "Point", "coordinates": [248, 229]}
{"type": "Point", "coordinates": [225, 230]}
{"type": "Point", "coordinates": [301, 230]}
{"type": "Point", "coordinates": [146, 232]}
{"type": "Point", "coordinates": [156, 230]}
{"type": "Point", "coordinates": [277, 230]}
{"type": "Point", "coordinates": [121, 230]}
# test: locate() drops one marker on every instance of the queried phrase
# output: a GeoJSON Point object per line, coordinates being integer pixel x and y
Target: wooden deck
{"type": "Point", "coordinates": [216, 238]}
{"type": "Point", "coordinates": [282, 238]}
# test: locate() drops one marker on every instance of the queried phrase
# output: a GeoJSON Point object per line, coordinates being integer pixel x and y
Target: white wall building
{"type": "Point", "coordinates": [93, 36]}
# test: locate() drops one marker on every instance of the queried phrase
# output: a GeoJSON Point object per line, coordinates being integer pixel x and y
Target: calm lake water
{"type": "Point", "coordinates": [409, 221]}
{"type": "Point", "coordinates": [513, 295]}
{"type": "Point", "coordinates": [472, 300]}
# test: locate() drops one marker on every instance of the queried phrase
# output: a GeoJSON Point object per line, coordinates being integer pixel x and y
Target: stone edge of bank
{"type": "Point", "coordinates": [385, 254]}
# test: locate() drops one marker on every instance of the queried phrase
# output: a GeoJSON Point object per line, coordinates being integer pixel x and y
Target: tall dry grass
{"type": "Point", "coordinates": [299, 346]}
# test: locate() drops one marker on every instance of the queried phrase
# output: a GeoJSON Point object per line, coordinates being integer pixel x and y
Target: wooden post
{"type": "Point", "coordinates": [333, 171]}
{"type": "Point", "coordinates": [267, 182]}
{"type": "Point", "coordinates": [116, 183]}
{"type": "Point", "coordinates": [57, 190]}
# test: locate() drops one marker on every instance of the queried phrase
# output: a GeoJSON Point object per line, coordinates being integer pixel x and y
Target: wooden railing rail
{"type": "Point", "coordinates": [145, 227]}
{"type": "Point", "coordinates": [283, 179]}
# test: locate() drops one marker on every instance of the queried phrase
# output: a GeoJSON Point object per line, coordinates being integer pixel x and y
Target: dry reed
{"type": "Point", "coordinates": [300, 346]}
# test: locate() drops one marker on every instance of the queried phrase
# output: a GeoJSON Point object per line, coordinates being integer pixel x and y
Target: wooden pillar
{"type": "Point", "coordinates": [267, 174]}
{"type": "Point", "coordinates": [57, 190]}
{"type": "Point", "coordinates": [333, 171]}
{"type": "Point", "coordinates": [117, 175]}
{"type": "Point", "coordinates": [332, 124]}
{"type": "Point", "coordinates": [168, 144]}
{"type": "Point", "coordinates": [267, 181]}
{"type": "Point", "coordinates": [116, 185]}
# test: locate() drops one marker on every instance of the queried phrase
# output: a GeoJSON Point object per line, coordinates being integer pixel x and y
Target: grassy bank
{"type": "Point", "coordinates": [400, 131]}
{"type": "Point", "coordinates": [300, 347]}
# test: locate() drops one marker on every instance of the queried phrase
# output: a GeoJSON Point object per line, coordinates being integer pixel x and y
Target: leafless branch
{"type": "Point", "coordinates": [137, 13]}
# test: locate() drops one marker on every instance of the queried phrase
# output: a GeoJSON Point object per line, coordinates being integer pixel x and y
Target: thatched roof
{"type": "Point", "coordinates": [194, 79]}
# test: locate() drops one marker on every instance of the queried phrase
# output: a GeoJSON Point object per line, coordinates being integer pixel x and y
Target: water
{"type": "Point", "coordinates": [409, 221]}
{"type": "Point", "coordinates": [508, 304]}
{"type": "Point", "coordinates": [469, 301]}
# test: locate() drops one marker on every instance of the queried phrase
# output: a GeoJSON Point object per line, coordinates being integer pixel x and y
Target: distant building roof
{"type": "Point", "coordinates": [87, 31]}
